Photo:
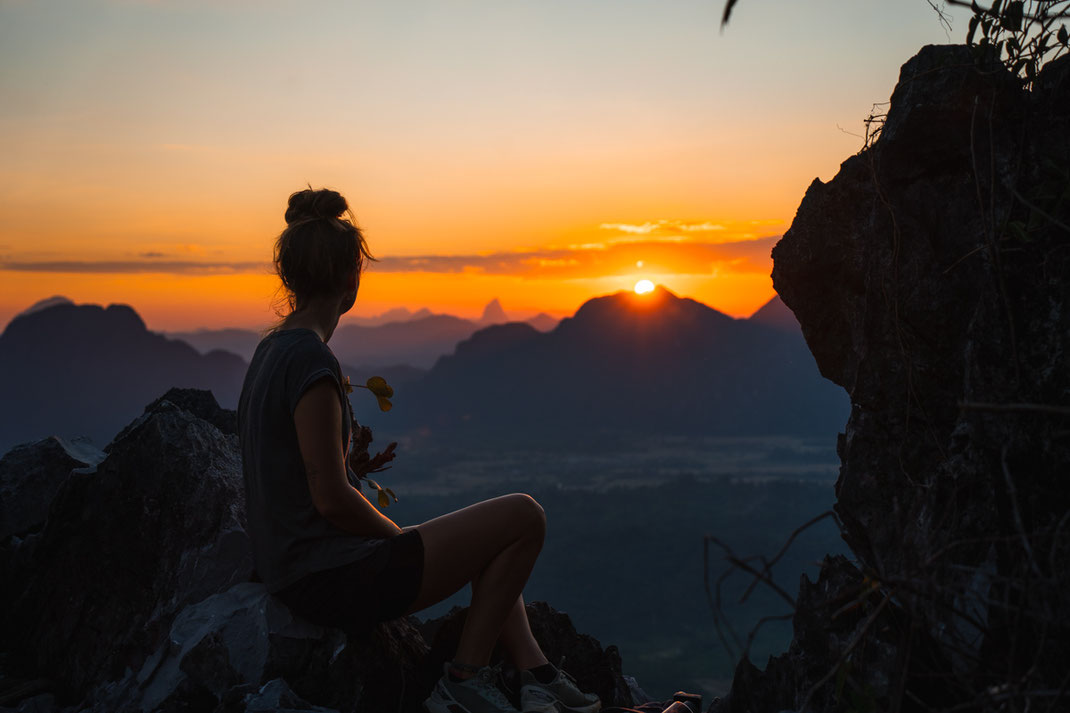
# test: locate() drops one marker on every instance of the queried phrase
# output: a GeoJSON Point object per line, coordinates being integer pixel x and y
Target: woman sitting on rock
{"type": "Point", "coordinates": [327, 552]}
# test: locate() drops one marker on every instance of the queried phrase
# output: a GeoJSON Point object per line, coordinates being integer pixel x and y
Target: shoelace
{"type": "Point", "coordinates": [488, 677]}
{"type": "Point", "coordinates": [566, 674]}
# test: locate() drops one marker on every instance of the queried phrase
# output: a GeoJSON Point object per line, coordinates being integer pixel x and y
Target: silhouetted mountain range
{"type": "Point", "coordinates": [398, 314]}
{"type": "Point", "coordinates": [627, 363]}
{"type": "Point", "coordinates": [624, 363]}
{"type": "Point", "coordinates": [72, 370]}
{"type": "Point", "coordinates": [396, 337]}
{"type": "Point", "coordinates": [418, 342]}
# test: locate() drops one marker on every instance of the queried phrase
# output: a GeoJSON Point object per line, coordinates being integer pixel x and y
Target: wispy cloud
{"type": "Point", "coordinates": [181, 267]}
{"type": "Point", "coordinates": [664, 226]}
{"type": "Point", "coordinates": [655, 256]}
{"type": "Point", "coordinates": [596, 260]}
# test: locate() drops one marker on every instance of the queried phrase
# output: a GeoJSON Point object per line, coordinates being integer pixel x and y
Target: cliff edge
{"type": "Point", "coordinates": [929, 278]}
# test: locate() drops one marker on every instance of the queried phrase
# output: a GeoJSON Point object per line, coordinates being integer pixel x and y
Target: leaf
{"type": "Point", "coordinates": [1062, 36]}
{"type": "Point", "coordinates": [727, 12]}
{"type": "Point", "coordinates": [373, 484]}
{"type": "Point", "coordinates": [1016, 228]}
{"type": "Point", "coordinates": [1011, 18]}
{"type": "Point", "coordinates": [384, 403]}
{"type": "Point", "coordinates": [384, 501]}
{"type": "Point", "coordinates": [378, 386]}
{"type": "Point", "coordinates": [973, 29]}
{"type": "Point", "coordinates": [390, 492]}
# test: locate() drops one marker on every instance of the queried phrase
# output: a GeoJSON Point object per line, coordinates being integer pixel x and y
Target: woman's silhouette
{"type": "Point", "coordinates": [320, 546]}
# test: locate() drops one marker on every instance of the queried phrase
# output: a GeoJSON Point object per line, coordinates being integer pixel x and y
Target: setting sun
{"type": "Point", "coordinates": [644, 286]}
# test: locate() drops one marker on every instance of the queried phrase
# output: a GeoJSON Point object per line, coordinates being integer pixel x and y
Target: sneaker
{"type": "Point", "coordinates": [562, 692]}
{"type": "Point", "coordinates": [478, 694]}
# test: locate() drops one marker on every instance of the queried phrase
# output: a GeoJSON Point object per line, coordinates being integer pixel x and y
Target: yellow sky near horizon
{"type": "Point", "coordinates": [538, 153]}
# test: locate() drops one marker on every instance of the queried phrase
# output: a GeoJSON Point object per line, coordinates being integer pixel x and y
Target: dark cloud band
{"type": "Point", "coordinates": [657, 257]}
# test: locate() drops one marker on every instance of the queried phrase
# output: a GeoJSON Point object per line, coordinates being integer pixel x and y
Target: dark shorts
{"type": "Point", "coordinates": [356, 596]}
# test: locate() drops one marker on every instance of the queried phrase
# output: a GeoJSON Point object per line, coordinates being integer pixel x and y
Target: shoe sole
{"type": "Point", "coordinates": [558, 706]}
{"type": "Point", "coordinates": [443, 707]}
{"type": "Point", "coordinates": [433, 705]}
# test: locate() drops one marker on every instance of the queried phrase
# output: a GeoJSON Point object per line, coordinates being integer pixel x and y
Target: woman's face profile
{"type": "Point", "coordinates": [350, 297]}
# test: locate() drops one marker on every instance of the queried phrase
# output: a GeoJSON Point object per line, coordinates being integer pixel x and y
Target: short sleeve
{"type": "Point", "coordinates": [312, 362]}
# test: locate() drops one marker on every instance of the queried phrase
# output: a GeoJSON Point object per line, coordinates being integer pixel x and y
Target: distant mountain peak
{"type": "Point", "coordinates": [493, 313]}
{"type": "Point", "coordinates": [45, 304]}
{"type": "Point", "coordinates": [396, 314]}
{"type": "Point", "coordinates": [659, 306]}
{"type": "Point", "coordinates": [61, 314]}
{"type": "Point", "coordinates": [543, 322]}
{"type": "Point", "coordinates": [777, 315]}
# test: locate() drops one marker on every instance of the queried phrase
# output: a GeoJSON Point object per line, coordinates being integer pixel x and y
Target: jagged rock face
{"type": "Point", "coordinates": [915, 295]}
{"type": "Point", "coordinates": [30, 476]}
{"type": "Point", "coordinates": [929, 280]}
{"type": "Point", "coordinates": [158, 525]}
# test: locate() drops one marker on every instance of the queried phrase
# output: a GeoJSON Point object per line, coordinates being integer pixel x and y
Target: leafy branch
{"type": "Point", "coordinates": [361, 463]}
{"type": "Point", "coordinates": [1023, 34]}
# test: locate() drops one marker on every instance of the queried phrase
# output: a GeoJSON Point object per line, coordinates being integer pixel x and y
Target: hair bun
{"type": "Point", "coordinates": [311, 204]}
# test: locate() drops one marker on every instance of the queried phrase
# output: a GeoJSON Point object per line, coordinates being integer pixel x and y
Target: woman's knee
{"type": "Point", "coordinates": [528, 513]}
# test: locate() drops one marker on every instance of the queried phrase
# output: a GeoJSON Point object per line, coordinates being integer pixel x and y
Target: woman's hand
{"type": "Point", "coordinates": [318, 420]}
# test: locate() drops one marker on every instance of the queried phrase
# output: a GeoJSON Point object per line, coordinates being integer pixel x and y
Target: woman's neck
{"type": "Point", "coordinates": [321, 316]}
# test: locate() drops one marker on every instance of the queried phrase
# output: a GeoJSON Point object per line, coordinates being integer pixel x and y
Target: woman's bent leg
{"type": "Point", "coordinates": [493, 544]}
{"type": "Point", "coordinates": [518, 640]}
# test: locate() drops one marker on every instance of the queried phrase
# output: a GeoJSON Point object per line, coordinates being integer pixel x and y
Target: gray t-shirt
{"type": "Point", "coordinates": [290, 538]}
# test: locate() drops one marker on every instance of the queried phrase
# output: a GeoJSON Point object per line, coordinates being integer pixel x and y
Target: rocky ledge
{"type": "Point", "coordinates": [127, 588]}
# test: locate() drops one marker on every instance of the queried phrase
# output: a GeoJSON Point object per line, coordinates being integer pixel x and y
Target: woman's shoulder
{"type": "Point", "coordinates": [306, 344]}
{"type": "Point", "coordinates": [298, 344]}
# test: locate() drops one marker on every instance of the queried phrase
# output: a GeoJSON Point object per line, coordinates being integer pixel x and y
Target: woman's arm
{"type": "Point", "coordinates": [318, 419]}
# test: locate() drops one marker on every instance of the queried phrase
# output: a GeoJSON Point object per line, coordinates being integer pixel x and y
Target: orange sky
{"type": "Point", "coordinates": [540, 153]}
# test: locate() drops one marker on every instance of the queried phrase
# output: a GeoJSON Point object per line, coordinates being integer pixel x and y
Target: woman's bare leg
{"type": "Point", "coordinates": [516, 637]}
{"type": "Point", "coordinates": [494, 545]}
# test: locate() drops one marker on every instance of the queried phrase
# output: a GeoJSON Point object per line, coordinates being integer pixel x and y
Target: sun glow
{"type": "Point", "coordinates": [644, 286]}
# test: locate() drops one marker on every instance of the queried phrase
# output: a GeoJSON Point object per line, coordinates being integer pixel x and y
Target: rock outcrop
{"type": "Point", "coordinates": [929, 278]}
{"type": "Point", "coordinates": [30, 476]}
{"type": "Point", "coordinates": [134, 593]}
{"type": "Point", "coordinates": [156, 526]}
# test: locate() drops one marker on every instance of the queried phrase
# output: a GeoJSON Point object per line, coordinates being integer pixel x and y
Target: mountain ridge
{"type": "Point", "coordinates": [625, 363]}
{"type": "Point", "coordinates": [100, 364]}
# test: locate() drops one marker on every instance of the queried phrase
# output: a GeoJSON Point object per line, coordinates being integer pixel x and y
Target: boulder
{"type": "Point", "coordinates": [242, 650]}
